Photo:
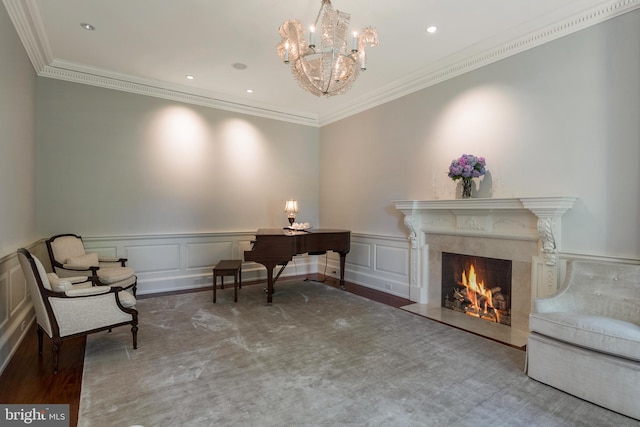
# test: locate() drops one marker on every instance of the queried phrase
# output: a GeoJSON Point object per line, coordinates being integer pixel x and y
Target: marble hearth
{"type": "Point", "coordinates": [525, 230]}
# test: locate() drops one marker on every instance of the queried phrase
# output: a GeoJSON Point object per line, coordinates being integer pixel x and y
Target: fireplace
{"type": "Point", "coordinates": [477, 286]}
{"type": "Point", "coordinates": [526, 232]}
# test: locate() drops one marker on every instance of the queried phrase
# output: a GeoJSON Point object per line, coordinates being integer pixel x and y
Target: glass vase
{"type": "Point", "coordinates": [466, 188]}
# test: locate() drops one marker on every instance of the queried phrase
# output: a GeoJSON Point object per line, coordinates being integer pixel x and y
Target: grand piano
{"type": "Point", "coordinates": [275, 246]}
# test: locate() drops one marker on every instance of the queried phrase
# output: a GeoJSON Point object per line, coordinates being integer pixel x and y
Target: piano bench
{"type": "Point", "coordinates": [228, 267]}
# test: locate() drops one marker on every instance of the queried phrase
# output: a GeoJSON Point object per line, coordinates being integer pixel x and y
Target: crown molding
{"type": "Point", "coordinates": [26, 20]}
{"type": "Point", "coordinates": [25, 17]}
{"type": "Point", "coordinates": [95, 77]}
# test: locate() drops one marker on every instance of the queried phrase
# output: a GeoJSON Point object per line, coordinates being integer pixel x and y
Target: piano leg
{"type": "Point", "coordinates": [270, 279]}
{"type": "Point", "coordinates": [343, 258]}
{"type": "Point", "coordinates": [270, 283]}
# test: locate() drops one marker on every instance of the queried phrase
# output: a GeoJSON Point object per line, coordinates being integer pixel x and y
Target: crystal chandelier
{"type": "Point", "coordinates": [330, 67]}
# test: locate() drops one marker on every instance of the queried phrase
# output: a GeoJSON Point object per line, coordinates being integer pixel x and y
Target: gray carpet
{"type": "Point", "coordinates": [318, 356]}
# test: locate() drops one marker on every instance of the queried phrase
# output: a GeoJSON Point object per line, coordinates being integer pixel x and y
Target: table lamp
{"type": "Point", "coordinates": [291, 209]}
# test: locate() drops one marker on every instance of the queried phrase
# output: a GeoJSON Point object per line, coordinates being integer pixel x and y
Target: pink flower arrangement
{"type": "Point", "coordinates": [467, 166]}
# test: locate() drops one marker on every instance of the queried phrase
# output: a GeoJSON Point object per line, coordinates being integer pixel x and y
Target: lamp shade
{"type": "Point", "coordinates": [291, 206]}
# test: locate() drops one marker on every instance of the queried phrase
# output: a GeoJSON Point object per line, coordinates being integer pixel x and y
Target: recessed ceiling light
{"type": "Point", "coordinates": [189, 77]}
{"type": "Point", "coordinates": [432, 29]}
{"type": "Point", "coordinates": [239, 66]}
{"type": "Point", "coordinates": [88, 27]}
{"type": "Point", "coordinates": [249, 90]}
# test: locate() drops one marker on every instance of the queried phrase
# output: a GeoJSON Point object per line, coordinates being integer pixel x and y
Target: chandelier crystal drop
{"type": "Point", "coordinates": [325, 64]}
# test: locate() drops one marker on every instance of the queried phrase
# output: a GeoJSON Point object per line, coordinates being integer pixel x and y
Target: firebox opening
{"type": "Point", "coordinates": [477, 286]}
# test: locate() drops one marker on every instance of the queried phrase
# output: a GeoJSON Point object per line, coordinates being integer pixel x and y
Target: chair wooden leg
{"type": "Point", "coordinates": [40, 337]}
{"type": "Point", "coordinates": [56, 353]}
{"type": "Point", "coordinates": [134, 332]}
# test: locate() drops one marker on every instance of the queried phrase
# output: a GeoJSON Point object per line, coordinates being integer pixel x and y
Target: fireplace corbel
{"type": "Point", "coordinates": [549, 211]}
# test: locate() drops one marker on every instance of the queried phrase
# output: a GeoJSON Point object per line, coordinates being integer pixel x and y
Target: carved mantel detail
{"type": "Point", "coordinates": [408, 222]}
{"type": "Point", "coordinates": [545, 228]}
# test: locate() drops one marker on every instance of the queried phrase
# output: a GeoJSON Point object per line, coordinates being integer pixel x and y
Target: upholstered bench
{"type": "Point", "coordinates": [585, 340]}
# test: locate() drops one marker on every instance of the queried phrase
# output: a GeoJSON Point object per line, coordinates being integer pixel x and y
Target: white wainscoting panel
{"type": "Point", "coordinates": [392, 260]}
{"type": "Point", "coordinates": [17, 291]}
{"type": "Point", "coordinates": [105, 251]}
{"type": "Point", "coordinates": [16, 310]}
{"type": "Point", "coordinates": [157, 258]}
{"type": "Point", "coordinates": [201, 255]}
{"type": "Point", "coordinates": [379, 262]}
{"type": "Point", "coordinates": [4, 300]}
{"type": "Point", "coordinates": [360, 254]}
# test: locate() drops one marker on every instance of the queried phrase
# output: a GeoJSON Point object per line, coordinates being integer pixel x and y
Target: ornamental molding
{"type": "Point", "coordinates": [471, 223]}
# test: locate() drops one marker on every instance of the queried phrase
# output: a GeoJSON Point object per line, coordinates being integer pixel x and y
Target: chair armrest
{"type": "Point", "coordinates": [54, 278]}
{"type": "Point", "coordinates": [76, 279]}
{"type": "Point", "coordinates": [121, 261]}
{"type": "Point", "coordinates": [70, 267]}
{"type": "Point", "coordinates": [111, 264]}
{"type": "Point", "coordinates": [558, 303]}
{"type": "Point", "coordinates": [82, 292]}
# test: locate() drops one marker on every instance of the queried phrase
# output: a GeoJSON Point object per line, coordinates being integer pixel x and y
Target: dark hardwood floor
{"type": "Point", "coordinates": [29, 378]}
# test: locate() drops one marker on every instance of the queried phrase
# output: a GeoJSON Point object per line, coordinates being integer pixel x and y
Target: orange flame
{"type": "Point", "coordinates": [476, 290]}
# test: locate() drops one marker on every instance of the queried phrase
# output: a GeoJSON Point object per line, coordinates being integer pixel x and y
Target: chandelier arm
{"type": "Point", "coordinates": [322, 7]}
{"type": "Point", "coordinates": [331, 73]}
{"type": "Point", "coordinates": [333, 62]}
{"type": "Point", "coordinates": [335, 52]}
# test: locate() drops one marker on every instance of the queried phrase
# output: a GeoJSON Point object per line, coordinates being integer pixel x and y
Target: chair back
{"type": "Point", "coordinates": [37, 280]}
{"type": "Point", "coordinates": [63, 247]}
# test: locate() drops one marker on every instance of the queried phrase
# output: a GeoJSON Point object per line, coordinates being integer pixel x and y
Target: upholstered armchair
{"type": "Point", "coordinates": [585, 339]}
{"type": "Point", "coordinates": [66, 310]}
{"type": "Point", "coordinates": [69, 258]}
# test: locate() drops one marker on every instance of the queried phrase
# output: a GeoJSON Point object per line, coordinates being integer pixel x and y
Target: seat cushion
{"type": "Point", "coordinates": [111, 275]}
{"type": "Point", "coordinates": [603, 334]}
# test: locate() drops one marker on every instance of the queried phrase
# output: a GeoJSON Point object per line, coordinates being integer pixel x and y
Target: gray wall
{"type": "Point", "coordinates": [112, 163]}
{"type": "Point", "coordinates": [558, 120]}
{"type": "Point", "coordinates": [17, 184]}
{"type": "Point", "coordinates": [17, 141]}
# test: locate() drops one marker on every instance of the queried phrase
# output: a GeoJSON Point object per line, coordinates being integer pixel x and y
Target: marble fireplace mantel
{"type": "Point", "coordinates": [523, 218]}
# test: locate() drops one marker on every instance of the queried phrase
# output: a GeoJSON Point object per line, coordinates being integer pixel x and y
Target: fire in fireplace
{"type": "Point", "coordinates": [477, 286]}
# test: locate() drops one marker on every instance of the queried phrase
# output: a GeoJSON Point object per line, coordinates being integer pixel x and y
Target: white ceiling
{"type": "Point", "coordinates": [149, 46]}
